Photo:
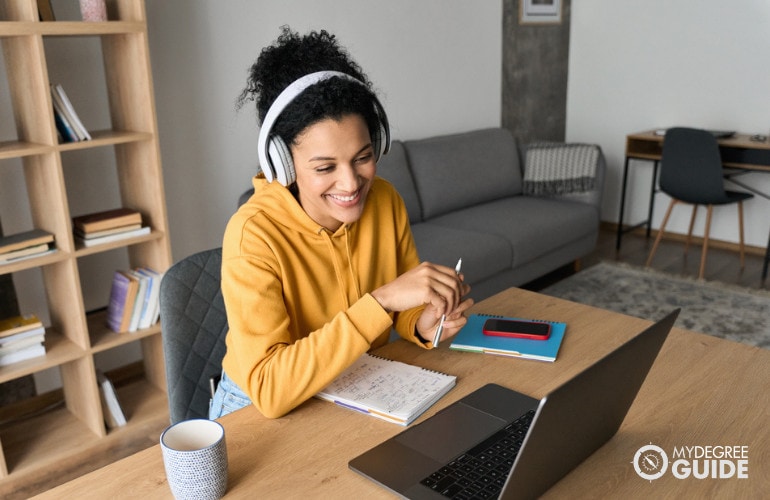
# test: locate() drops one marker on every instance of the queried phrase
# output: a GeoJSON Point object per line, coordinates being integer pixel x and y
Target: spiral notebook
{"type": "Point", "coordinates": [387, 389]}
{"type": "Point", "coordinates": [471, 338]}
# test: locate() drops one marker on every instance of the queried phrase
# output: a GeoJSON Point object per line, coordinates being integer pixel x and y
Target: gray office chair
{"type": "Point", "coordinates": [193, 324]}
{"type": "Point", "coordinates": [691, 172]}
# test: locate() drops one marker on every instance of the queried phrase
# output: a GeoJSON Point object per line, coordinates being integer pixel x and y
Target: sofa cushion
{"type": "Point", "coordinates": [458, 170]}
{"type": "Point", "coordinates": [483, 254]}
{"type": "Point", "coordinates": [534, 226]}
{"type": "Point", "coordinates": [394, 168]}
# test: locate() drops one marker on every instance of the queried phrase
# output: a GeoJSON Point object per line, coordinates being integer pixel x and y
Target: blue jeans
{"type": "Point", "coordinates": [227, 398]}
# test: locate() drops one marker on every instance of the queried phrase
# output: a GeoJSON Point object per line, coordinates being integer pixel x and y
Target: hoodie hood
{"type": "Point", "coordinates": [269, 196]}
{"type": "Point", "coordinates": [277, 203]}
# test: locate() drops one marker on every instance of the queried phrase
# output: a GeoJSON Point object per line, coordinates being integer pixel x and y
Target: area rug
{"type": "Point", "coordinates": [725, 311]}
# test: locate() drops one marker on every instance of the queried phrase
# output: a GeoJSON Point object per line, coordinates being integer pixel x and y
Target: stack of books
{"type": "Point", "coordinates": [68, 123]}
{"type": "Point", "coordinates": [21, 338]}
{"type": "Point", "coordinates": [109, 225]}
{"type": "Point", "coordinates": [134, 300]}
{"type": "Point", "coordinates": [25, 245]}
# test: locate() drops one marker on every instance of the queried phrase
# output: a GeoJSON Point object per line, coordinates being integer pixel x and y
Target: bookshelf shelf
{"type": "Point", "coordinates": [33, 262]}
{"type": "Point", "coordinates": [82, 251]}
{"type": "Point", "coordinates": [33, 444]}
{"type": "Point", "coordinates": [59, 350]}
{"type": "Point", "coordinates": [102, 338]}
{"type": "Point", "coordinates": [106, 138]}
{"type": "Point", "coordinates": [27, 448]}
{"type": "Point", "coordinates": [18, 149]}
{"type": "Point", "coordinates": [69, 28]}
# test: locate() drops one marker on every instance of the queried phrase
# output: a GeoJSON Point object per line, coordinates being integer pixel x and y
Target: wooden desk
{"type": "Point", "coordinates": [701, 391]}
{"type": "Point", "coordinates": [738, 152]}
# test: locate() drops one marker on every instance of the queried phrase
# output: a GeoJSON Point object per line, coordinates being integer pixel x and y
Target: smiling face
{"type": "Point", "coordinates": [335, 166]}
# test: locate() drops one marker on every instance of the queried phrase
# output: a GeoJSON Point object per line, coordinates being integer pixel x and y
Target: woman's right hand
{"type": "Point", "coordinates": [427, 284]}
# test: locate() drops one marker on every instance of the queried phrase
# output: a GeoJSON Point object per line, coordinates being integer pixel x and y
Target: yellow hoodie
{"type": "Point", "coordinates": [297, 295]}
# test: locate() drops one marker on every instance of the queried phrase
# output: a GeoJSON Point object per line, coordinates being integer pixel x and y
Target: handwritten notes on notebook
{"type": "Point", "coordinates": [387, 389]}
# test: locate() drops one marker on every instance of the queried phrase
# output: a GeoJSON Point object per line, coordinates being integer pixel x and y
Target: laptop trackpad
{"type": "Point", "coordinates": [450, 432]}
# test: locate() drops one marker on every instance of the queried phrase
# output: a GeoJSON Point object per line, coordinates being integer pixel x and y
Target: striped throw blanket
{"type": "Point", "coordinates": [557, 168]}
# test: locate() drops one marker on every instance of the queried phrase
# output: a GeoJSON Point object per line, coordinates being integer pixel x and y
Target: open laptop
{"type": "Point", "coordinates": [525, 445]}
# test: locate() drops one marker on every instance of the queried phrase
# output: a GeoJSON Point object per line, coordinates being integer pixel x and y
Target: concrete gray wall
{"type": "Point", "coordinates": [535, 65]}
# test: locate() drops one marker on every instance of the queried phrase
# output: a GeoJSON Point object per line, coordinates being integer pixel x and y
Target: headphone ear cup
{"type": "Point", "coordinates": [381, 136]}
{"type": "Point", "coordinates": [266, 164]}
{"type": "Point", "coordinates": [377, 142]}
{"type": "Point", "coordinates": [281, 161]}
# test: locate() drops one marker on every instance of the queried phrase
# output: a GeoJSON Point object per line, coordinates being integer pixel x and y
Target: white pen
{"type": "Point", "coordinates": [440, 329]}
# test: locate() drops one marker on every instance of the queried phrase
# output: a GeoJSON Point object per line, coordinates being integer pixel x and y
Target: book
{"type": "Point", "coordinates": [29, 352]}
{"type": "Point", "coordinates": [24, 252]}
{"type": "Point", "coordinates": [134, 300]}
{"type": "Point", "coordinates": [122, 298]}
{"type": "Point", "coordinates": [19, 324]}
{"type": "Point", "coordinates": [390, 390]}
{"type": "Point", "coordinates": [21, 337]}
{"type": "Point", "coordinates": [151, 308]}
{"type": "Point", "coordinates": [45, 10]}
{"type": "Point", "coordinates": [63, 104]}
{"type": "Point", "coordinates": [17, 345]}
{"type": "Point", "coordinates": [23, 240]}
{"type": "Point", "coordinates": [131, 298]}
{"type": "Point", "coordinates": [28, 255]}
{"type": "Point", "coordinates": [111, 409]}
{"type": "Point", "coordinates": [114, 237]}
{"type": "Point", "coordinates": [106, 232]}
{"type": "Point", "coordinates": [471, 338]}
{"type": "Point", "coordinates": [107, 219]}
{"type": "Point", "coordinates": [140, 301]}
{"type": "Point", "coordinates": [66, 132]}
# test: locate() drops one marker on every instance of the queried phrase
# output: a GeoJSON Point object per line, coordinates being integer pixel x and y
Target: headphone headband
{"type": "Point", "coordinates": [269, 146]}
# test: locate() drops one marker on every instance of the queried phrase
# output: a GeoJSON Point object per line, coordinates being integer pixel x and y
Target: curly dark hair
{"type": "Point", "coordinates": [292, 56]}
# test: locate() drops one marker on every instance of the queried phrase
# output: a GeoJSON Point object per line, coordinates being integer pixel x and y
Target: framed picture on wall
{"type": "Point", "coordinates": [539, 11]}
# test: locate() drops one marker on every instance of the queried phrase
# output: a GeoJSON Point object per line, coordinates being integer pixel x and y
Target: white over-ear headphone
{"type": "Point", "coordinates": [274, 154]}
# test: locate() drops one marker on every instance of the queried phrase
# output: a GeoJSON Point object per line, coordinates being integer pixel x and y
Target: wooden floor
{"type": "Point", "coordinates": [722, 265]}
{"type": "Point", "coordinates": [722, 261]}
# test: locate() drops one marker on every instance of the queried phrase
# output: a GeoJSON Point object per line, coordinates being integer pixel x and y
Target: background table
{"type": "Point", "coordinates": [701, 391]}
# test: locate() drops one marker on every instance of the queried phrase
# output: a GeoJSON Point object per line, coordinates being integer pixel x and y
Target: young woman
{"type": "Point", "coordinates": [320, 263]}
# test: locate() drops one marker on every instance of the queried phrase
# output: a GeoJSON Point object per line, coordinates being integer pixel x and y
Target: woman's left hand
{"type": "Point", "coordinates": [428, 322]}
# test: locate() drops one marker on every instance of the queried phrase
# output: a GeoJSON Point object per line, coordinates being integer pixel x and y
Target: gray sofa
{"type": "Point", "coordinates": [465, 199]}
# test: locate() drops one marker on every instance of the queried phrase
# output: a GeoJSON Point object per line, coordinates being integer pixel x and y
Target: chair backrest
{"type": "Point", "coordinates": [691, 166]}
{"type": "Point", "coordinates": [193, 324]}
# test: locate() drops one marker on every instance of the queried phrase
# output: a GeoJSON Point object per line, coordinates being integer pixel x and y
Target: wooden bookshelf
{"type": "Point", "coordinates": [30, 445]}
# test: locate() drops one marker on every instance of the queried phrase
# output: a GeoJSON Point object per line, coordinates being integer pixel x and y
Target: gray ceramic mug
{"type": "Point", "coordinates": [195, 458]}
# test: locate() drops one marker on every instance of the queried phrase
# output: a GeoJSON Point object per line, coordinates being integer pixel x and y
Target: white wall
{"type": "Point", "coordinates": [640, 65]}
{"type": "Point", "coordinates": [436, 64]}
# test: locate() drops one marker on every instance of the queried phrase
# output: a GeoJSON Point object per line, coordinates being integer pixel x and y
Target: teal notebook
{"type": "Point", "coordinates": [471, 338]}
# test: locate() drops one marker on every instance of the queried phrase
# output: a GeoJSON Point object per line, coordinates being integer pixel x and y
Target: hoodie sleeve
{"type": "Point", "coordinates": [406, 321]}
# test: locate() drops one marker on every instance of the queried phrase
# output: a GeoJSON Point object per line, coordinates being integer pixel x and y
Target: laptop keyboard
{"type": "Point", "coordinates": [481, 472]}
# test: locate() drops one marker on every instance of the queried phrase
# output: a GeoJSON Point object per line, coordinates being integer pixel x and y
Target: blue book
{"type": "Point", "coordinates": [471, 338]}
{"type": "Point", "coordinates": [64, 128]}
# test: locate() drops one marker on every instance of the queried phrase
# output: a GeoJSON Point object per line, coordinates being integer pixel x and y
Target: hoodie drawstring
{"type": "Point", "coordinates": [353, 274]}
{"type": "Point", "coordinates": [337, 265]}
